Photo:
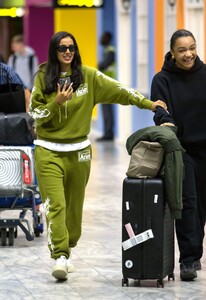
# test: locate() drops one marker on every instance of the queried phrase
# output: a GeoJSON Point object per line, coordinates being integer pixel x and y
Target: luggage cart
{"type": "Point", "coordinates": [19, 191]}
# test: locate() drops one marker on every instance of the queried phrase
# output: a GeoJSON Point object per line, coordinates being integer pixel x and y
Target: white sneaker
{"type": "Point", "coordinates": [59, 271]}
{"type": "Point", "coordinates": [70, 266]}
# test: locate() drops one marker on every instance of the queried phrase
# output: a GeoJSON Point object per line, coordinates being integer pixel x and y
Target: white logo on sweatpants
{"type": "Point", "coordinates": [84, 155]}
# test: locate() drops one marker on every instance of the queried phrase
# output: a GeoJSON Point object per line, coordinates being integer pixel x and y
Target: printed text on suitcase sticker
{"type": "Point", "coordinates": [137, 239]}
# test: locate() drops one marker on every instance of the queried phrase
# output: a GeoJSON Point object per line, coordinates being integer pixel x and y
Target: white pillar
{"type": "Point", "coordinates": [123, 67]}
{"type": "Point", "coordinates": [194, 21]}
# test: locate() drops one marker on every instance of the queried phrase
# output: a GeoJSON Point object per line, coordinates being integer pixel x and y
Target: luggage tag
{"type": "Point", "coordinates": [129, 230]}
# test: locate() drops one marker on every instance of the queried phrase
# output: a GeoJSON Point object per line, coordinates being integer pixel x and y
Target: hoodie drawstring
{"type": "Point", "coordinates": [65, 111]}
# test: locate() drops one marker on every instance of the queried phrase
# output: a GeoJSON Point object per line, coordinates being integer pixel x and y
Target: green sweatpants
{"type": "Point", "coordinates": [62, 179]}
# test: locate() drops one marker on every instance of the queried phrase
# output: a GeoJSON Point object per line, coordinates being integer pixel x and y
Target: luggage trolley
{"type": "Point", "coordinates": [19, 191]}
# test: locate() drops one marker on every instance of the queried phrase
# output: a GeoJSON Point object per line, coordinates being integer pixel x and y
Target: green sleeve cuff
{"type": "Point", "coordinates": [54, 107]}
{"type": "Point", "coordinates": [146, 103]}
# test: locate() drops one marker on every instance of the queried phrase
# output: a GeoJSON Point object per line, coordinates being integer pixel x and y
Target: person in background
{"type": "Point", "coordinates": [107, 66]}
{"type": "Point", "coordinates": [63, 98]}
{"type": "Point", "coordinates": [2, 60]}
{"type": "Point", "coordinates": [7, 73]}
{"type": "Point", "coordinates": [23, 60]}
{"type": "Point", "coordinates": [181, 84]}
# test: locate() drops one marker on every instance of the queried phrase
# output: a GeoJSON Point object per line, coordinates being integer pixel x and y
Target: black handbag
{"type": "Point", "coordinates": [16, 129]}
{"type": "Point", "coordinates": [12, 97]}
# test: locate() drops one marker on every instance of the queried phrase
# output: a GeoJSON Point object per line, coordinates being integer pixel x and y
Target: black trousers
{"type": "Point", "coordinates": [108, 119]}
{"type": "Point", "coordinates": [190, 229]}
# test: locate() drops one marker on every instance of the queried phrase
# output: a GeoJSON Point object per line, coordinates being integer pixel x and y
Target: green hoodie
{"type": "Point", "coordinates": [71, 121]}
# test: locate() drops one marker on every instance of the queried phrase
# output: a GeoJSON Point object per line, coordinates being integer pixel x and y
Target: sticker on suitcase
{"type": "Point", "coordinates": [129, 229]}
{"type": "Point", "coordinates": [128, 264]}
{"type": "Point", "coordinates": [137, 239]}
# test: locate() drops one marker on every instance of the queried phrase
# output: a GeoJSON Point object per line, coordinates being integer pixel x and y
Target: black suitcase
{"type": "Point", "coordinates": [148, 237]}
{"type": "Point", "coordinates": [16, 129]}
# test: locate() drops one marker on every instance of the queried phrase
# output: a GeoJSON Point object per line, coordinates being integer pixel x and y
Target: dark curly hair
{"type": "Point", "coordinates": [178, 34]}
{"type": "Point", "coordinates": [53, 64]}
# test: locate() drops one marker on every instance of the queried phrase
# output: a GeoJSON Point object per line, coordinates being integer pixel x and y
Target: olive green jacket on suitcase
{"type": "Point", "coordinates": [173, 162]}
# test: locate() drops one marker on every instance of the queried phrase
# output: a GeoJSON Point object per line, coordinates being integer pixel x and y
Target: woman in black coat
{"type": "Point", "coordinates": [181, 84]}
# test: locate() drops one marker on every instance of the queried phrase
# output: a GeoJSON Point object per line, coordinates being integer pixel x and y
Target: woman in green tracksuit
{"type": "Point", "coordinates": [63, 97]}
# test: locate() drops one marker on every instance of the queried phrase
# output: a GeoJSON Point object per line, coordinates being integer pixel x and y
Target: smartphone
{"type": "Point", "coordinates": [62, 81]}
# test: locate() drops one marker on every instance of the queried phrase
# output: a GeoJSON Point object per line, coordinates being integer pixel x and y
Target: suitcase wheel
{"type": "Point", "coordinates": [125, 281]}
{"type": "Point", "coordinates": [171, 276]}
{"type": "Point", "coordinates": [15, 232]}
{"type": "Point", "coordinates": [38, 229]}
{"type": "Point", "coordinates": [160, 282]}
{"type": "Point", "coordinates": [38, 224]}
{"type": "Point", "coordinates": [3, 236]}
{"type": "Point", "coordinates": [8, 233]}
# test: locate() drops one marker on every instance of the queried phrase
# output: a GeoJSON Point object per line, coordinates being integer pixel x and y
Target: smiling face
{"type": "Point", "coordinates": [184, 52]}
{"type": "Point", "coordinates": [65, 58]}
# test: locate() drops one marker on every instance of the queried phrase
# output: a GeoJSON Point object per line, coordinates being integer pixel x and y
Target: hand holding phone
{"type": "Point", "coordinates": [62, 82]}
{"type": "Point", "coordinates": [65, 93]}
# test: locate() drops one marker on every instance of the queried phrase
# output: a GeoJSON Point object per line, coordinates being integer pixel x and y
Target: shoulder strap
{"type": "Point", "coordinates": [14, 61]}
{"type": "Point", "coordinates": [31, 64]}
{"type": "Point", "coordinates": [31, 57]}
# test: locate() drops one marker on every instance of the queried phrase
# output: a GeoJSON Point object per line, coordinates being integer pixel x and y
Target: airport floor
{"type": "Point", "coordinates": [25, 267]}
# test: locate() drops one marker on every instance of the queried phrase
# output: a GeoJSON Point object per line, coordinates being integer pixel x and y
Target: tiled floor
{"type": "Point", "coordinates": [25, 268]}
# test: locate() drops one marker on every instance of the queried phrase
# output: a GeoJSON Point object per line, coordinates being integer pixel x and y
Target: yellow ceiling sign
{"type": "Point", "coordinates": [75, 3]}
{"type": "Point", "coordinates": [11, 12]}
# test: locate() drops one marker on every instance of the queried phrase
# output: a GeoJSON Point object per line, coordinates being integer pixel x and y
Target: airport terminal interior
{"type": "Point", "coordinates": [141, 34]}
{"type": "Point", "coordinates": [26, 266]}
